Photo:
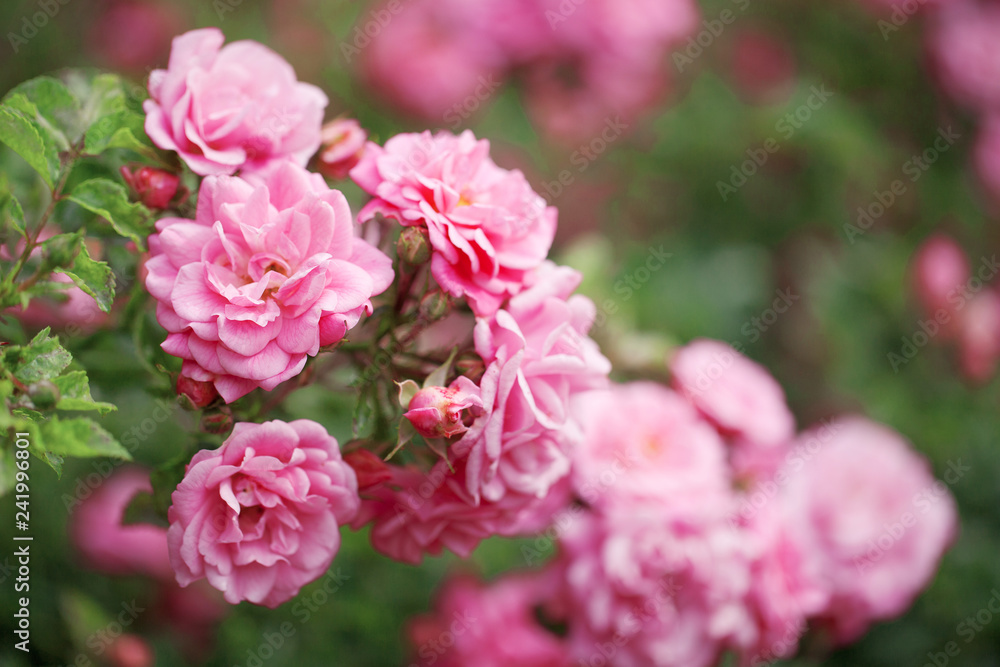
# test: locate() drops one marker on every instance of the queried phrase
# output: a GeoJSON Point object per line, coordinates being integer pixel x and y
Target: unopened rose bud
{"type": "Point", "coordinates": [130, 650]}
{"type": "Point", "coordinates": [413, 246]}
{"type": "Point", "coordinates": [153, 187]}
{"type": "Point", "coordinates": [435, 305]}
{"type": "Point", "coordinates": [343, 145]}
{"type": "Point", "coordinates": [44, 394]}
{"type": "Point", "coordinates": [940, 268]}
{"type": "Point", "coordinates": [197, 392]}
{"type": "Point", "coordinates": [217, 423]}
{"type": "Point", "coordinates": [438, 412]}
{"type": "Point", "coordinates": [370, 469]}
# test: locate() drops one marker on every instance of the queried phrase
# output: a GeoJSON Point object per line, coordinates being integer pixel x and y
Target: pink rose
{"type": "Point", "coordinates": [487, 227]}
{"type": "Point", "coordinates": [940, 271]}
{"type": "Point", "coordinates": [108, 545]}
{"type": "Point", "coordinates": [966, 54]}
{"type": "Point", "coordinates": [979, 338]}
{"type": "Point", "coordinates": [416, 513]}
{"type": "Point", "coordinates": [492, 626]}
{"type": "Point", "coordinates": [537, 357]}
{"type": "Point", "coordinates": [663, 582]}
{"type": "Point", "coordinates": [233, 107]}
{"type": "Point", "coordinates": [740, 398]}
{"type": "Point", "coordinates": [438, 412]}
{"type": "Point", "coordinates": [874, 518]}
{"type": "Point", "coordinates": [260, 516]}
{"type": "Point", "coordinates": [264, 276]}
{"type": "Point", "coordinates": [644, 443]}
{"type": "Point", "coordinates": [429, 60]}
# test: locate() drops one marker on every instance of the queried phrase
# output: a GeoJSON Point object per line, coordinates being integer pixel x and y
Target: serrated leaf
{"type": "Point", "coordinates": [41, 359]}
{"type": "Point", "coordinates": [80, 437]}
{"type": "Point", "coordinates": [12, 215]}
{"type": "Point", "coordinates": [110, 201]}
{"type": "Point", "coordinates": [93, 277]}
{"type": "Point", "coordinates": [74, 394]}
{"type": "Point", "coordinates": [52, 105]}
{"type": "Point", "coordinates": [26, 138]}
{"type": "Point", "coordinates": [123, 129]}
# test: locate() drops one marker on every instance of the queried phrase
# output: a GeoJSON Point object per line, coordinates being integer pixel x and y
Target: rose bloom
{"type": "Point", "coordinates": [538, 357]}
{"type": "Point", "coordinates": [965, 52]}
{"type": "Point", "coordinates": [430, 59]}
{"type": "Point", "coordinates": [487, 227]}
{"type": "Point", "coordinates": [260, 516]}
{"type": "Point", "coordinates": [636, 438]}
{"type": "Point", "coordinates": [233, 107]}
{"type": "Point", "coordinates": [661, 582]}
{"type": "Point", "coordinates": [343, 143]}
{"type": "Point", "coordinates": [493, 626]}
{"type": "Point", "coordinates": [740, 398]}
{"type": "Point", "coordinates": [940, 271]}
{"type": "Point", "coordinates": [264, 276]}
{"type": "Point", "coordinates": [108, 545]}
{"type": "Point", "coordinates": [875, 520]}
{"type": "Point", "coordinates": [417, 513]}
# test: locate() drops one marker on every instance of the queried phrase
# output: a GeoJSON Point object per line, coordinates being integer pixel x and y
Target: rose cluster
{"type": "Point", "coordinates": [581, 63]}
{"type": "Point", "coordinates": [703, 524]}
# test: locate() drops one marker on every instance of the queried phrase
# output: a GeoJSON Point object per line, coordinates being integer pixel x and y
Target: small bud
{"type": "Point", "coordinates": [153, 187]}
{"type": "Point", "coordinates": [197, 392]}
{"type": "Point", "coordinates": [343, 144]}
{"type": "Point", "coordinates": [413, 246]}
{"type": "Point", "coordinates": [437, 412]}
{"type": "Point", "coordinates": [370, 469]}
{"type": "Point", "coordinates": [435, 305]}
{"type": "Point", "coordinates": [43, 394]}
{"type": "Point", "coordinates": [220, 422]}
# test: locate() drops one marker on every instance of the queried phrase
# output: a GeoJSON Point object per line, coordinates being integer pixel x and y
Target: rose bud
{"type": "Point", "coordinates": [154, 187]}
{"type": "Point", "coordinates": [343, 143]}
{"type": "Point", "coordinates": [413, 246]}
{"type": "Point", "coordinates": [199, 393]}
{"type": "Point", "coordinates": [130, 650]}
{"type": "Point", "coordinates": [435, 305]}
{"type": "Point", "coordinates": [370, 469]}
{"type": "Point", "coordinates": [438, 411]}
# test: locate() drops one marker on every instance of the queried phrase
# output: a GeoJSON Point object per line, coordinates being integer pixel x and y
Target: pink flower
{"type": "Point", "coordinates": [487, 227]}
{"type": "Point", "coordinates": [661, 582]}
{"type": "Point", "coordinates": [762, 66]}
{"type": "Point", "coordinates": [438, 412]}
{"type": "Point", "coordinates": [142, 31]}
{"type": "Point", "coordinates": [260, 516]}
{"type": "Point", "coordinates": [108, 545]}
{"type": "Point", "coordinates": [492, 626]}
{"type": "Point", "coordinates": [416, 513]}
{"type": "Point", "coordinates": [343, 145]}
{"type": "Point", "coordinates": [875, 520]}
{"type": "Point", "coordinates": [644, 443]}
{"type": "Point", "coordinates": [233, 107]}
{"type": "Point", "coordinates": [266, 274]}
{"type": "Point", "coordinates": [979, 338]}
{"type": "Point", "coordinates": [940, 272]}
{"type": "Point", "coordinates": [428, 59]}
{"type": "Point", "coordinates": [537, 357]}
{"type": "Point", "coordinates": [965, 51]}
{"type": "Point", "coordinates": [740, 397]}
{"type": "Point", "coordinates": [786, 585]}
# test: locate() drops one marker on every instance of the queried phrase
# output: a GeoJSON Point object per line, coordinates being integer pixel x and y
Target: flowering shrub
{"type": "Point", "coordinates": [334, 345]}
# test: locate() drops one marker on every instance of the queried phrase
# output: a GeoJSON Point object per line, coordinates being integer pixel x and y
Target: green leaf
{"type": "Point", "coordinates": [110, 201]}
{"type": "Point", "coordinates": [41, 359]}
{"type": "Point", "coordinates": [7, 470]}
{"type": "Point", "coordinates": [11, 214]}
{"type": "Point", "coordinates": [74, 394]}
{"type": "Point", "coordinates": [123, 129]}
{"type": "Point", "coordinates": [93, 277]}
{"type": "Point", "coordinates": [26, 138]}
{"type": "Point", "coordinates": [439, 376]}
{"type": "Point", "coordinates": [50, 103]}
{"type": "Point", "coordinates": [80, 437]}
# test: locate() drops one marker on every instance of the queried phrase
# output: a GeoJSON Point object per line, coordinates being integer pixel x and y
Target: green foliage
{"type": "Point", "coordinates": [110, 201]}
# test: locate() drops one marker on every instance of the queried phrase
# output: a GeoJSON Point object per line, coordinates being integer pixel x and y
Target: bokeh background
{"type": "Point", "coordinates": [862, 99]}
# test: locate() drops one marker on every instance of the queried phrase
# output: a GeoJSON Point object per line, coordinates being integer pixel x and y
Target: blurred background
{"type": "Point", "coordinates": [791, 159]}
